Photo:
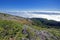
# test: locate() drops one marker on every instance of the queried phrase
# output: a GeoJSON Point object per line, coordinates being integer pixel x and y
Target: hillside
{"type": "Point", "coordinates": [22, 20]}
{"type": "Point", "coordinates": [46, 22]}
{"type": "Point", "coordinates": [19, 28]}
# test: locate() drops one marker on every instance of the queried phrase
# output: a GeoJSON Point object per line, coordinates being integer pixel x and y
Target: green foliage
{"type": "Point", "coordinates": [13, 28]}
{"type": "Point", "coordinates": [9, 28]}
{"type": "Point", "coordinates": [55, 32]}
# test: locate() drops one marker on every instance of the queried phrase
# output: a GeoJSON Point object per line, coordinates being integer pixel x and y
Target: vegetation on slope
{"type": "Point", "coordinates": [9, 28]}
{"type": "Point", "coordinates": [46, 23]}
{"type": "Point", "coordinates": [17, 28]}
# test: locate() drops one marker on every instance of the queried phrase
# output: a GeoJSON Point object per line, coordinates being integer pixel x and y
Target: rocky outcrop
{"type": "Point", "coordinates": [40, 34]}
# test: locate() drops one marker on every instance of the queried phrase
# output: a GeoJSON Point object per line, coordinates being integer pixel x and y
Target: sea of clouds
{"type": "Point", "coordinates": [50, 15]}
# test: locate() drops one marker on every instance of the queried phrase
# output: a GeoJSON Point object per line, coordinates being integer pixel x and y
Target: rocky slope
{"type": "Point", "coordinates": [19, 28]}
{"type": "Point", "coordinates": [38, 34]}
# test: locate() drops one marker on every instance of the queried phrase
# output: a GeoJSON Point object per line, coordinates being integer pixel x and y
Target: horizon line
{"type": "Point", "coordinates": [46, 11]}
{"type": "Point", "coordinates": [37, 11]}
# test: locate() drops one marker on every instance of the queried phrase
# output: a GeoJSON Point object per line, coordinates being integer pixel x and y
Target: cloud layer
{"type": "Point", "coordinates": [50, 15]}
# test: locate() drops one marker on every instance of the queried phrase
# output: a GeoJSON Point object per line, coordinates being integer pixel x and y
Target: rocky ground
{"type": "Point", "coordinates": [38, 34]}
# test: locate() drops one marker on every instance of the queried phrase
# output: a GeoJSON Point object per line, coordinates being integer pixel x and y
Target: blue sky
{"type": "Point", "coordinates": [29, 5]}
{"type": "Point", "coordinates": [32, 8]}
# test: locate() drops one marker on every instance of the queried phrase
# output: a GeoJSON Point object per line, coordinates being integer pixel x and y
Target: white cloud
{"type": "Point", "coordinates": [49, 17]}
{"type": "Point", "coordinates": [30, 14]}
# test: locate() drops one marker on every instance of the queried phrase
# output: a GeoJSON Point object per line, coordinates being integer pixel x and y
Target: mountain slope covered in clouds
{"type": "Point", "coordinates": [19, 28]}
